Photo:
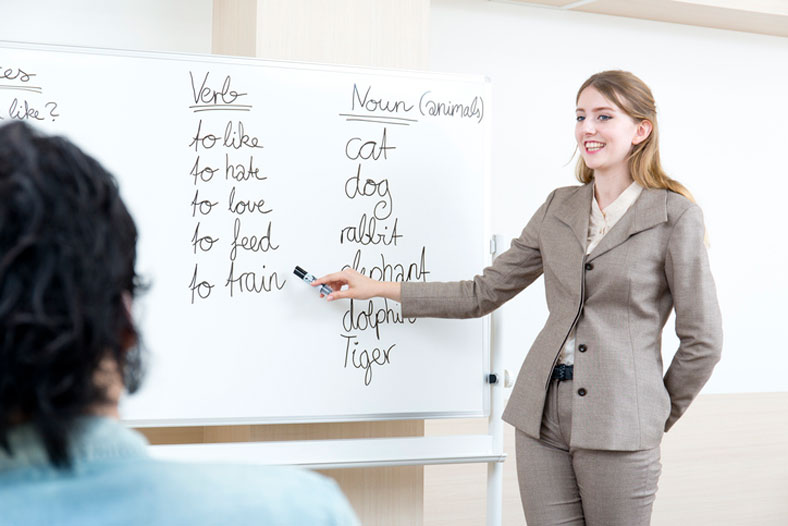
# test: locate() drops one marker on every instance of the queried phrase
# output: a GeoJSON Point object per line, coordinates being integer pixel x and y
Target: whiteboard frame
{"type": "Point", "coordinates": [487, 366]}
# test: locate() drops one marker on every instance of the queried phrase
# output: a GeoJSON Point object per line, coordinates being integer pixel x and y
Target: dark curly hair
{"type": "Point", "coordinates": [67, 254]}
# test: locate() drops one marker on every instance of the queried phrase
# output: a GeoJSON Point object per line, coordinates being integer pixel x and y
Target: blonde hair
{"type": "Point", "coordinates": [635, 99]}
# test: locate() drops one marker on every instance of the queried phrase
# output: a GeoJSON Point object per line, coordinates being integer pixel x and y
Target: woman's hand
{"type": "Point", "coordinates": [359, 286]}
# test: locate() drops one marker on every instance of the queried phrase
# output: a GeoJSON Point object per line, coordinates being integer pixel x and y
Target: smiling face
{"type": "Point", "coordinates": [605, 133]}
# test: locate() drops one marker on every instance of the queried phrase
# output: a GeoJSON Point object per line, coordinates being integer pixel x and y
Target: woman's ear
{"type": "Point", "coordinates": [643, 131]}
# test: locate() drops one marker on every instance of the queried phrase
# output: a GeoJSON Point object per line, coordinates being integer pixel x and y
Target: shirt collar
{"type": "Point", "coordinates": [94, 438]}
{"type": "Point", "coordinates": [616, 209]}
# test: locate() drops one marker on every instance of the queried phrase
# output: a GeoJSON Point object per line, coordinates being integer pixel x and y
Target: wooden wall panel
{"type": "Point", "coordinates": [379, 33]}
{"type": "Point", "coordinates": [234, 27]}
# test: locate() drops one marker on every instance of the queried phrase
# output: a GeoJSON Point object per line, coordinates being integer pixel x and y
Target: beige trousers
{"type": "Point", "coordinates": [560, 485]}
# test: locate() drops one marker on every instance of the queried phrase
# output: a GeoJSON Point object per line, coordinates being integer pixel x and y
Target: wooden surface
{"type": "Point", "coordinates": [456, 495]}
{"type": "Point", "coordinates": [234, 27]}
{"type": "Point", "coordinates": [384, 496]}
{"type": "Point", "coordinates": [769, 17]}
{"type": "Point", "coordinates": [724, 463]}
{"type": "Point", "coordinates": [380, 33]}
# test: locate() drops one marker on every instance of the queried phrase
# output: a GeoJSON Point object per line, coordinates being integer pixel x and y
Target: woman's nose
{"type": "Point", "coordinates": [587, 126]}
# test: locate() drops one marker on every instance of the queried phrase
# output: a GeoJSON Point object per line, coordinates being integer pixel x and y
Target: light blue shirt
{"type": "Point", "coordinates": [115, 482]}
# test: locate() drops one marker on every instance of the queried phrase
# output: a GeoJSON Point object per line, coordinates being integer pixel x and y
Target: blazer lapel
{"type": "Point", "coordinates": [650, 209]}
{"type": "Point", "coordinates": [575, 212]}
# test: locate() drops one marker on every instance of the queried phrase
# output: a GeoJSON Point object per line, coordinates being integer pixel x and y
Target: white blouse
{"type": "Point", "coordinates": [600, 223]}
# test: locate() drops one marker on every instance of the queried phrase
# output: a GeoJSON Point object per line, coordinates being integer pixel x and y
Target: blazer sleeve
{"type": "Point", "coordinates": [510, 273]}
{"type": "Point", "coordinates": [698, 318]}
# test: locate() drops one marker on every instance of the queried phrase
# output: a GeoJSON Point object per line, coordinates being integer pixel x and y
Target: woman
{"type": "Point", "coordinates": [591, 404]}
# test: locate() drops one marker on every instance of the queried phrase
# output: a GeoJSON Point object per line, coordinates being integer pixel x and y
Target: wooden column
{"type": "Point", "coordinates": [379, 33]}
{"type": "Point", "coordinates": [234, 29]}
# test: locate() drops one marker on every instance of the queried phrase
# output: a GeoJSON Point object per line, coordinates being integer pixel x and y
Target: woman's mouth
{"type": "Point", "coordinates": [593, 146]}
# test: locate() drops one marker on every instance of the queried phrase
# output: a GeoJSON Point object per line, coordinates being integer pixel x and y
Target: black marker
{"type": "Point", "coordinates": [309, 278]}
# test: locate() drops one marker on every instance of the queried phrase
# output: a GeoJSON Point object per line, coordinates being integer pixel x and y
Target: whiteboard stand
{"type": "Point", "coordinates": [495, 423]}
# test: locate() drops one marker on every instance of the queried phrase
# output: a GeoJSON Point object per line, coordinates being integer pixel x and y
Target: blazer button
{"type": "Point", "coordinates": [589, 266]}
{"type": "Point", "coordinates": [581, 392]}
{"type": "Point", "coordinates": [582, 347]}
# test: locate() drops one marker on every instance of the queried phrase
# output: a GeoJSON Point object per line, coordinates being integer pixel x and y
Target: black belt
{"type": "Point", "coordinates": [563, 372]}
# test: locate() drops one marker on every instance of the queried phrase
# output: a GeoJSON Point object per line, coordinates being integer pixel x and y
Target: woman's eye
{"type": "Point", "coordinates": [580, 118]}
{"type": "Point", "coordinates": [605, 117]}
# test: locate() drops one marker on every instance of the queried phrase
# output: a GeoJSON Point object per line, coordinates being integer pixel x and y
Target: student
{"type": "Point", "coordinates": [591, 404]}
{"type": "Point", "coordinates": [68, 348]}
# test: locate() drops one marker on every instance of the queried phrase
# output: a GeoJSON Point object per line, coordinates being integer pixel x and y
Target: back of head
{"type": "Point", "coordinates": [67, 254]}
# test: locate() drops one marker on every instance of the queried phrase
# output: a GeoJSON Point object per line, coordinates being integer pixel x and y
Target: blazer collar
{"type": "Point", "coordinates": [650, 209]}
{"type": "Point", "coordinates": [575, 212]}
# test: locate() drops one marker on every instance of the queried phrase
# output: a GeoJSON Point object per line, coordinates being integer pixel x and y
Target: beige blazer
{"type": "Point", "coordinates": [618, 297]}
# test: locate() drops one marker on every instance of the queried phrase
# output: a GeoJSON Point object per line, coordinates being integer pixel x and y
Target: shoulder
{"type": "Point", "coordinates": [679, 208]}
{"type": "Point", "coordinates": [152, 492]}
{"type": "Point", "coordinates": [240, 493]}
{"type": "Point", "coordinates": [284, 489]}
{"type": "Point", "coordinates": [564, 196]}
{"type": "Point", "coordinates": [563, 193]}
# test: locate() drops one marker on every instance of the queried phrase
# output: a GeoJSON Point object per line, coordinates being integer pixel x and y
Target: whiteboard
{"type": "Point", "coordinates": [237, 170]}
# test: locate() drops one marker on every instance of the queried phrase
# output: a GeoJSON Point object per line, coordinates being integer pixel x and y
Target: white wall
{"type": "Point", "coordinates": [721, 98]}
{"type": "Point", "coordinates": [150, 25]}
{"type": "Point", "coordinates": [721, 103]}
